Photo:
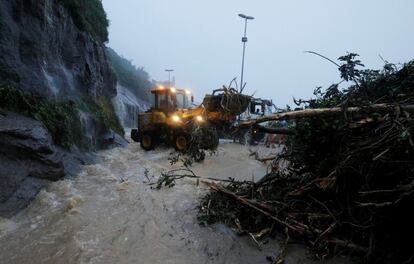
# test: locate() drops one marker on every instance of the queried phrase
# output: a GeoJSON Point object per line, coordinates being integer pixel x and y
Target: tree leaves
{"type": "Point", "coordinates": [348, 68]}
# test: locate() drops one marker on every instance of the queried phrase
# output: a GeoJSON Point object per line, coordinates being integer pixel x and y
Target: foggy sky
{"type": "Point", "coordinates": [201, 40]}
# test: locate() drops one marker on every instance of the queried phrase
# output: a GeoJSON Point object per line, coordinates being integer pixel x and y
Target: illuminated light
{"type": "Point", "coordinates": [160, 87]}
{"type": "Point", "coordinates": [175, 118]}
{"type": "Point", "coordinates": [173, 90]}
{"type": "Point", "coordinates": [187, 92]}
{"type": "Point", "coordinates": [199, 119]}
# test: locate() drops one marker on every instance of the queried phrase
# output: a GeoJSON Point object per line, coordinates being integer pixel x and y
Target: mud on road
{"type": "Point", "coordinates": [109, 214]}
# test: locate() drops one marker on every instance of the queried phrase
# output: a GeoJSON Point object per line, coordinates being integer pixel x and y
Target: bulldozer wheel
{"type": "Point", "coordinates": [181, 142]}
{"type": "Point", "coordinates": [134, 135]}
{"type": "Point", "coordinates": [147, 141]}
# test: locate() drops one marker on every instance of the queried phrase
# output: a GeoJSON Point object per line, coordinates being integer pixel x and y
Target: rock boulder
{"type": "Point", "coordinates": [28, 158]}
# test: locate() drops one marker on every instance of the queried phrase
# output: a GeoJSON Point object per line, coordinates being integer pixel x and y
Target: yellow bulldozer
{"type": "Point", "coordinates": [174, 120]}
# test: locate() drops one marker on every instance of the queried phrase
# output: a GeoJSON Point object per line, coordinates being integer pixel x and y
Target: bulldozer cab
{"type": "Point", "coordinates": [170, 99]}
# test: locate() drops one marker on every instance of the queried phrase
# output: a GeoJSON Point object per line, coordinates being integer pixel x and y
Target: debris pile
{"type": "Point", "coordinates": [227, 101]}
{"type": "Point", "coordinates": [349, 185]}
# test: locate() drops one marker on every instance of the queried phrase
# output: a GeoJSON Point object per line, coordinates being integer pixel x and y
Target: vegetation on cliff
{"type": "Point", "coordinates": [89, 16]}
{"type": "Point", "coordinates": [103, 111]}
{"type": "Point", "coordinates": [135, 79]}
{"type": "Point", "coordinates": [62, 118]}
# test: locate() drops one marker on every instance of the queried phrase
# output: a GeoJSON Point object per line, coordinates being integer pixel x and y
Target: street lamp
{"type": "Point", "coordinates": [169, 76]}
{"type": "Point", "coordinates": [244, 40]}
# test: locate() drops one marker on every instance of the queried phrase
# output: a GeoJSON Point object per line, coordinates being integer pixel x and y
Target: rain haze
{"type": "Point", "coordinates": [201, 41]}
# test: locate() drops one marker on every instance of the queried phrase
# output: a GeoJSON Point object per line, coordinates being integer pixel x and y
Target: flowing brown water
{"type": "Point", "coordinates": [109, 214]}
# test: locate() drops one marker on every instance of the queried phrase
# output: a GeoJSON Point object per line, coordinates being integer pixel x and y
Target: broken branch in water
{"type": "Point", "coordinates": [266, 159]}
{"type": "Point", "coordinates": [169, 178]}
{"type": "Point", "coordinates": [252, 204]}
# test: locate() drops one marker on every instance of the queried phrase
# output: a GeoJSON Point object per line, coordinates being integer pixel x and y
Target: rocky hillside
{"type": "Point", "coordinates": [133, 88]}
{"type": "Point", "coordinates": [56, 92]}
{"type": "Point", "coordinates": [42, 51]}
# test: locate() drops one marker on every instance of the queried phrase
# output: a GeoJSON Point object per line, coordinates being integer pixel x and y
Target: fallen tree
{"type": "Point", "coordinates": [327, 112]}
{"type": "Point", "coordinates": [349, 185]}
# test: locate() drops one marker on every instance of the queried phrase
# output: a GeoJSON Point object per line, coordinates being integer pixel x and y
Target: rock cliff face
{"type": "Point", "coordinates": [42, 51]}
{"type": "Point", "coordinates": [133, 89]}
{"type": "Point", "coordinates": [128, 106]}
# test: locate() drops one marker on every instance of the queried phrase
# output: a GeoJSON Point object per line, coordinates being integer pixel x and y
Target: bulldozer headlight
{"type": "Point", "coordinates": [176, 118]}
{"type": "Point", "coordinates": [199, 119]}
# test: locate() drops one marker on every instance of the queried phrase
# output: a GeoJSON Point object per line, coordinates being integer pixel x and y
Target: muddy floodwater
{"type": "Point", "coordinates": [109, 214]}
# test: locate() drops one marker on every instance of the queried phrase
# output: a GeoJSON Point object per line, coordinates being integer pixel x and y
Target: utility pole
{"type": "Point", "coordinates": [244, 40]}
{"type": "Point", "coordinates": [169, 76]}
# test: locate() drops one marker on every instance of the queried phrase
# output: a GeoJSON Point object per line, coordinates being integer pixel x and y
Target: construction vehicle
{"type": "Point", "coordinates": [257, 108]}
{"type": "Point", "coordinates": [174, 121]}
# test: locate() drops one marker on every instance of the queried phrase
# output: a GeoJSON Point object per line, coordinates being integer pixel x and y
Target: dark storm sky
{"type": "Point", "coordinates": [201, 40]}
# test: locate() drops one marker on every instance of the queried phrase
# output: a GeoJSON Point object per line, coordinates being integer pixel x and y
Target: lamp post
{"type": "Point", "coordinates": [244, 40]}
{"type": "Point", "coordinates": [169, 76]}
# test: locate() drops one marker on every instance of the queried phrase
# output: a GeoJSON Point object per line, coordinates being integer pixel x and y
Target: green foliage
{"type": "Point", "coordinates": [89, 16]}
{"type": "Point", "coordinates": [330, 134]}
{"type": "Point", "coordinates": [168, 179]}
{"type": "Point", "coordinates": [135, 79]}
{"type": "Point", "coordinates": [370, 86]}
{"type": "Point", "coordinates": [108, 116]}
{"type": "Point", "coordinates": [348, 68]}
{"type": "Point", "coordinates": [103, 111]}
{"type": "Point", "coordinates": [61, 119]}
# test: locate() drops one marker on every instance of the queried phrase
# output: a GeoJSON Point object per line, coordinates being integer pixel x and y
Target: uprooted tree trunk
{"type": "Point", "coordinates": [324, 112]}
